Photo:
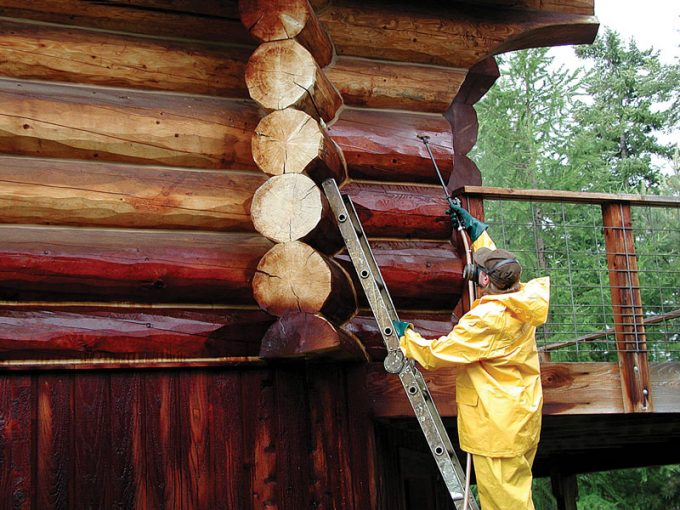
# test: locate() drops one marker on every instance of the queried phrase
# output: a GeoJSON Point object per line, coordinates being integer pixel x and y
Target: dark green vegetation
{"type": "Point", "coordinates": [602, 128]}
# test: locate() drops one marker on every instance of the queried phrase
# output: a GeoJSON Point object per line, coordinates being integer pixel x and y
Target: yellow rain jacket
{"type": "Point", "coordinates": [498, 389]}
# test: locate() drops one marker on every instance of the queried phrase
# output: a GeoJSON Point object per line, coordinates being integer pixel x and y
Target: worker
{"type": "Point", "coordinates": [498, 387]}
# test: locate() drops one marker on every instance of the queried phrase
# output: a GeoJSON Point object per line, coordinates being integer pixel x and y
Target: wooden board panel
{"type": "Point", "coordinates": [39, 119]}
{"type": "Point", "coordinates": [665, 381]}
{"type": "Point", "coordinates": [70, 264]}
{"type": "Point", "coordinates": [569, 388]}
{"type": "Point", "coordinates": [17, 441]}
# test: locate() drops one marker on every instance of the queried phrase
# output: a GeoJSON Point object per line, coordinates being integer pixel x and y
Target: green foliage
{"type": "Point", "coordinates": [595, 129]}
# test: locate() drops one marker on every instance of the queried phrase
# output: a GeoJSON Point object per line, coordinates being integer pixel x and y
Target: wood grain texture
{"type": "Point", "coordinates": [51, 53]}
{"type": "Point", "coordinates": [395, 85]}
{"type": "Point", "coordinates": [310, 336]}
{"type": "Point", "coordinates": [40, 119]}
{"type": "Point", "coordinates": [284, 74]}
{"type": "Point", "coordinates": [72, 264]}
{"type": "Point", "coordinates": [627, 310]}
{"type": "Point", "coordinates": [277, 20]}
{"type": "Point", "coordinates": [17, 440]}
{"type": "Point", "coordinates": [290, 141]}
{"type": "Point", "coordinates": [665, 381]}
{"type": "Point", "coordinates": [383, 146]}
{"type": "Point", "coordinates": [452, 35]}
{"type": "Point", "coordinates": [80, 332]}
{"type": "Point", "coordinates": [420, 275]}
{"type": "Point", "coordinates": [568, 388]}
{"type": "Point", "coordinates": [212, 20]}
{"type": "Point", "coordinates": [293, 277]}
{"type": "Point", "coordinates": [80, 193]}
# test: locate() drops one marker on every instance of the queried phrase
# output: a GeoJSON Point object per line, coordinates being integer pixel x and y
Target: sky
{"type": "Point", "coordinates": [653, 23]}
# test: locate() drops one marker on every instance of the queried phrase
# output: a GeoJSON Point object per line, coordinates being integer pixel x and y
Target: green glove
{"type": "Point", "coordinates": [400, 327]}
{"type": "Point", "coordinates": [472, 225]}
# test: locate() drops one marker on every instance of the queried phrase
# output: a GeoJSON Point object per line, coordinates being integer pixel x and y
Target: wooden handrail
{"type": "Point", "coordinates": [576, 197]}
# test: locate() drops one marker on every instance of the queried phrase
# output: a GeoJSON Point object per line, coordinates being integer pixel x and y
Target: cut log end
{"type": "Point", "coordinates": [283, 73]}
{"type": "Point", "coordinates": [293, 277]}
{"type": "Point", "coordinates": [304, 335]}
{"type": "Point", "coordinates": [290, 141]}
{"type": "Point", "coordinates": [287, 207]}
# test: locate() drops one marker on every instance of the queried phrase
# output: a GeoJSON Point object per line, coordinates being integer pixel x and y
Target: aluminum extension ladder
{"type": "Point", "coordinates": [383, 309]}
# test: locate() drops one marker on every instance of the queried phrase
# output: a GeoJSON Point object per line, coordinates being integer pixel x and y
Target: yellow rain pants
{"type": "Point", "coordinates": [505, 483]}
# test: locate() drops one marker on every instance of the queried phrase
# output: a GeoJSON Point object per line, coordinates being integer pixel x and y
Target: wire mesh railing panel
{"type": "Point", "coordinates": [566, 242]}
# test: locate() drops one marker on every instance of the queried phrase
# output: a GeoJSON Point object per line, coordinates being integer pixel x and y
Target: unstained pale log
{"type": "Point", "coordinates": [41, 119]}
{"type": "Point", "coordinates": [277, 20]}
{"type": "Point", "coordinates": [383, 145]}
{"type": "Point", "coordinates": [420, 275]}
{"type": "Point", "coordinates": [52, 53]}
{"type": "Point", "coordinates": [210, 20]}
{"type": "Point", "coordinates": [283, 73]}
{"type": "Point", "coordinates": [448, 35]}
{"type": "Point", "coordinates": [293, 277]}
{"type": "Point", "coordinates": [89, 332]}
{"type": "Point", "coordinates": [290, 141]}
{"type": "Point", "coordinates": [68, 264]}
{"type": "Point", "coordinates": [83, 193]}
{"type": "Point", "coordinates": [395, 85]}
{"type": "Point", "coordinates": [292, 207]}
{"type": "Point", "coordinates": [306, 335]}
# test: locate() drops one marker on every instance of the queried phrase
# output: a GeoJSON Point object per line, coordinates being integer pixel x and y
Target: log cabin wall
{"type": "Point", "coordinates": [128, 176]}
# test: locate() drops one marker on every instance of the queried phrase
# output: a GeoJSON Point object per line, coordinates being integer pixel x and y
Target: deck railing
{"type": "Point", "coordinates": [614, 263]}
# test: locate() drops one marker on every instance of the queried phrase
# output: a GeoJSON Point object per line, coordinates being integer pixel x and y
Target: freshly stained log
{"type": "Point", "coordinates": [306, 335]}
{"type": "Point", "coordinates": [421, 275]}
{"type": "Point", "coordinates": [277, 20]}
{"type": "Point", "coordinates": [213, 20]}
{"type": "Point", "coordinates": [401, 86]}
{"type": "Point", "coordinates": [34, 332]}
{"type": "Point", "coordinates": [293, 277]}
{"type": "Point", "coordinates": [133, 127]}
{"type": "Point", "coordinates": [383, 145]}
{"type": "Point", "coordinates": [64, 264]}
{"type": "Point", "coordinates": [444, 34]}
{"type": "Point", "coordinates": [290, 141]}
{"type": "Point", "coordinates": [292, 207]}
{"type": "Point", "coordinates": [283, 73]}
{"type": "Point", "coordinates": [428, 324]}
{"type": "Point", "coordinates": [49, 191]}
{"type": "Point", "coordinates": [393, 210]}
{"type": "Point", "coordinates": [51, 53]}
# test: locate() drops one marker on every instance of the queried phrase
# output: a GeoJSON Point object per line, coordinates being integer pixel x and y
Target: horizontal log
{"type": "Point", "coordinates": [276, 20]}
{"type": "Point", "coordinates": [212, 20]}
{"type": "Point", "coordinates": [284, 74]}
{"type": "Point", "coordinates": [421, 275]}
{"type": "Point", "coordinates": [52, 53]}
{"type": "Point", "coordinates": [403, 86]}
{"type": "Point", "coordinates": [133, 127]}
{"type": "Point", "coordinates": [429, 324]}
{"type": "Point", "coordinates": [290, 141]}
{"type": "Point", "coordinates": [82, 193]}
{"type": "Point", "coordinates": [293, 277]}
{"type": "Point", "coordinates": [393, 210]}
{"type": "Point", "coordinates": [127, 265]}
{"type": "Point", "coordinates": [382, 145]}
{"type": "Point", "coordinates": [568, 388]}
{"type": "Point", "coordinates": [448, 35]}
{"type": "Point", "coordinates": [87, 333]}
{"type": "Point", "coordinates": [310, 336]}
{"type": "Point", "coordinates": [56, 192]}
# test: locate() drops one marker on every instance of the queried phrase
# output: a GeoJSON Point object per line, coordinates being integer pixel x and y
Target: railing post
{"type": "Point", "coordinates": [629, 329]}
